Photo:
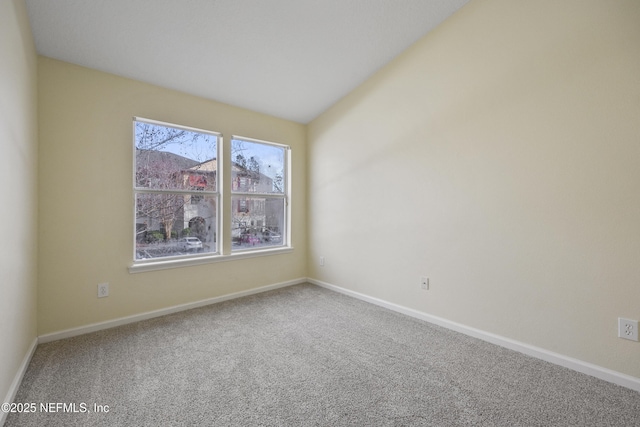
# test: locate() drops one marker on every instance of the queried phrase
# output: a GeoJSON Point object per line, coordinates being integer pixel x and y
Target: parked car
{"type": "Point", "coordinates": [250, 239]}
{"type": "Point", "coordinates": [190, 244]}
{"type": "Point", "coordinates": [271, 236]}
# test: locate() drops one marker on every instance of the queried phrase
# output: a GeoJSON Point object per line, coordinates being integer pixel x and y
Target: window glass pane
{"type": "Point", "coordinates": [257, 168]}
{"type": "Point", "coordinates": [175, 224]}
{"type": "Point", "coordinates": [174, 159]}
{"type": "Point", "coordinates": [257, 222]}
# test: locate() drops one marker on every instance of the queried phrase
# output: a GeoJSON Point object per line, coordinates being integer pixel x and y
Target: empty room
{"type": "Point", "coordinates": [363, 212]}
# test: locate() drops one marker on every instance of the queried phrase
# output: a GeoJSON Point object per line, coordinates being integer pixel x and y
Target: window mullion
{"type": "Point", "coordinates": [187, 192]}
{"type": "Point", "coordinates": [267, 195]}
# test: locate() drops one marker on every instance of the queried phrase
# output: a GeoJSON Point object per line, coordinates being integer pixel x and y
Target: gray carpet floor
{"type": "Point", "coordinates": [306, 356]}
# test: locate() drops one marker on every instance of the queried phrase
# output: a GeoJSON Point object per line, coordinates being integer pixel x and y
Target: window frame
{"type": "Point", "coordinates": [224, 194]}
{"type": "Point", "coordinates": [216, 194]}
{"type": "Point", "coordinates": [285, 196]}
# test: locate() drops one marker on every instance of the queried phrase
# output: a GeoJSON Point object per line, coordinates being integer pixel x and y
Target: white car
{"type": "Point", "coordinates": [190, 244]}
{"type": "Point", "coordinates": [271, 236]}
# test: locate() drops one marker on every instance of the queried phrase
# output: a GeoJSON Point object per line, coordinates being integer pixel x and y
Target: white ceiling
{"type": "Point", "coordinates": [287, 58]}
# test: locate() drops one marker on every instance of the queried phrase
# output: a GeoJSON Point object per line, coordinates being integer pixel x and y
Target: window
{"type": "Point", "coordinates": [259, 194]}
{"type": "Point", "coordinates": [176, 190]}
{"type": "Point", "coordinates": [179, 197]}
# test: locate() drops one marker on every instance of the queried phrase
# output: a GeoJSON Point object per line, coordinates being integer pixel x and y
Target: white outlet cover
{"type": "Point", "coordinates": [627, 329]}
{"type": "Point", "coordinates": [103, 290]}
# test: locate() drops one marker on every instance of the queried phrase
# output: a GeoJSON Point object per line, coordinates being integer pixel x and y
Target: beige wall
{"type": "Point", "coordinates": [18, 192]}
{"type": "Point", "coordinates": [86, 200]}
{"type": "Point", "coordinates": [500, 156]}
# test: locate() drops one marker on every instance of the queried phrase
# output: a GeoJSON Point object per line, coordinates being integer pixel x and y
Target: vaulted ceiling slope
{"type": "Point", "coordinates": [288, 58]}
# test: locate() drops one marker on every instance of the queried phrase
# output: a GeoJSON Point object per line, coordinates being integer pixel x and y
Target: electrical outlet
{"type": "Point", "coordinates": [628, 329]}
{"type": "Point", "coordinates": [321, 261]}
{"type": "Point", "coordinates": [424, 283]}
{"type": "Point", "coordinates": [103, 290]}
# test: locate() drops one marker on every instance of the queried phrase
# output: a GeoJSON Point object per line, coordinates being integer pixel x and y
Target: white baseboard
{"type": "Point", "coordinates": [530, 350]}
{"type": "Point", "coordinates": [17, 380]}
{"type": "Point", "coordinates": [67, 333]}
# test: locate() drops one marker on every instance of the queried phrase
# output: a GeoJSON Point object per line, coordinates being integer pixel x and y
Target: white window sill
{"type": "Point", "coordinates": [152, 265]}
